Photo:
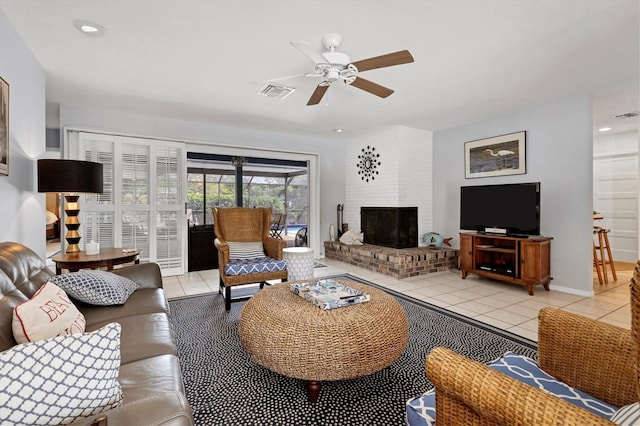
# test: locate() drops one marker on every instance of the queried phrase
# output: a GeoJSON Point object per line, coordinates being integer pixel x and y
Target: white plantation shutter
{"type": "Point", "coordinates": [134, 195]}
{"type": "Point", "coordinates": [143, 199]}
{"type": "Point", "coordinates": [170, 179]}
{"type": "Point", "coordinates": [98, 210]}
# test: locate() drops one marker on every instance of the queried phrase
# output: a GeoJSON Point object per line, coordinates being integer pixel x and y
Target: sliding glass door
{"type": "Point", "coordinates": [282, 185]}
{"type": "Point", "coordinates": [205, 190]}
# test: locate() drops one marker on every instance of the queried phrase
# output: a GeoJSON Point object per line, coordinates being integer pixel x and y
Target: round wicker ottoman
{"type": "Point", "coordinates": [290, 336]}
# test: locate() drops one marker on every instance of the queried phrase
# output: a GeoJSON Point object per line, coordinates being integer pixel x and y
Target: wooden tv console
{"type": "Point", "coordinates": [524, 261]}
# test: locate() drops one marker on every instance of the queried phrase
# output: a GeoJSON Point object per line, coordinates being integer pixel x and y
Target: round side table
{"type": "Point", "coordinates": [299, 262]}
{"type": "Point", "coordinates": [106, 258]}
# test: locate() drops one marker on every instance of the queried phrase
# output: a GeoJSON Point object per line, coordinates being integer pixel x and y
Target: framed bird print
{"type": "Point", "coordinates": [496, 156]}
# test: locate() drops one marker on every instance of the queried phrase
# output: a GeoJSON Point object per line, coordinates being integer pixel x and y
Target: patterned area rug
{"type": "Point", "coordinates": [225, 387]}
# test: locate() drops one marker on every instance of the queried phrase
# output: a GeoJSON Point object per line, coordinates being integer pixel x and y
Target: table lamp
{"type": "Point", "coordinates": [70, 177]}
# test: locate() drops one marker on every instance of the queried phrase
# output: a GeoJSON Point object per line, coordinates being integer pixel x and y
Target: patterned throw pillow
{"type": "Point", "coordinates": [629, 415]}
{"type": "Point", "coordinates": [250, 250]}
{"type": "Point", "coordinates": [58, 380]}
{"type": "Point", "coordinates": [96, 287]}
{"type": "Point", "coordinates": [48, 313]}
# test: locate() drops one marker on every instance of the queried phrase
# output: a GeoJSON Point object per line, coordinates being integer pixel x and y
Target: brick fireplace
{"type": "Point", "coordinates": [398, 263]}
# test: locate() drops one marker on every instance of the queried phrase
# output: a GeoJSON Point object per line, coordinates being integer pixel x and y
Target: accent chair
{"type": "Point", "coordinates": [592, 377]}
{"type": "Point", "coordinates": [247, 254]}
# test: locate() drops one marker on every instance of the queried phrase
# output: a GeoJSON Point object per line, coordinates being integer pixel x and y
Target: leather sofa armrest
{"type": "Point", "coordinates": [470, 393]}
{"type": "Point", "coordinates": [146, 275]}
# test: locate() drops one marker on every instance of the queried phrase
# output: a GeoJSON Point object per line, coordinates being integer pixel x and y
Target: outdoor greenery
{"type": "Point", "coordinates": [257, 191]}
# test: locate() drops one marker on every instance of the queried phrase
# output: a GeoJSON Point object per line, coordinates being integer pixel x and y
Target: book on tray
{"type": "Point", "coordinates": [329, 294]}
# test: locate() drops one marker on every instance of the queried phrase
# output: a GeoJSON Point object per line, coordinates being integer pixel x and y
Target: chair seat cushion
{"type": "Point", "coordinates": [421, 410]}
{"type": "Point", "coordinates": [254, 266]}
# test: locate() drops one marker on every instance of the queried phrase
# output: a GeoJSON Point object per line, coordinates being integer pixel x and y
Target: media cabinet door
{"type": "Point", "coordinates": [535, 261]}
{"type": "Point", "coordinates": [466, 252]}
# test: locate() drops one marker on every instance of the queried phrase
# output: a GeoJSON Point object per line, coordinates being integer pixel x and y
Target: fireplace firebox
{"type": "Point", "coordinates": [395, 227]}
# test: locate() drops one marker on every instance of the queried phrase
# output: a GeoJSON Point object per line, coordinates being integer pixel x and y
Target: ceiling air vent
{"type": "Point", "coordinates": [274, 91]}
{"type": "Point", "coordinates": [627, 115]}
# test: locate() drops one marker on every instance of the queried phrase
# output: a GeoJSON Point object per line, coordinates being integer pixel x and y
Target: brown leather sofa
{"type": "Point", "coordinates": [149, 372]}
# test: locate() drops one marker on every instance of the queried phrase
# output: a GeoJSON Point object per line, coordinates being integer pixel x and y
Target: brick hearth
{"type": "Point", "coordinates": [398, 263]}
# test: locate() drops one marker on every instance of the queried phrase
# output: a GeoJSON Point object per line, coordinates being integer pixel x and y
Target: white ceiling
{"type": "Point", "coordinates": [204, 60]}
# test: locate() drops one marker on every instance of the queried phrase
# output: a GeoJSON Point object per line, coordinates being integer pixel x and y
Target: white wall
{"type": "Point", "coordinates": [22, 208]}
{"type": "Point", "coordinates": [404, 178]}
{"type": "Point", "coordinates": [330, 151]}
{"type": "Point", "coordinates": [559, 155]}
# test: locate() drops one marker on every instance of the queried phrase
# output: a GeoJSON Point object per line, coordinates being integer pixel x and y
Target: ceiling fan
{"type": "Point", "coordinates": [333, 65]}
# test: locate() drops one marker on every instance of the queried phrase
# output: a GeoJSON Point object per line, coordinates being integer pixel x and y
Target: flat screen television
{"type": "Point", "coordinates": [511, 209]}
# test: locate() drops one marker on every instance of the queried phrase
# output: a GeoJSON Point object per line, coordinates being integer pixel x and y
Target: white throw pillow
{"type": "Point", "coordinates": [96, 287]}
{"type": "Point", "coordinates": [629, 415]}
{"type": "Point", "coordinates": [352, 237]}
{"type": "Point", "coordinates": [48, 313]}
{"type": "Point", "coordinates": [58, 380]}
{"type": "Point", "coordinates": [250, 250]}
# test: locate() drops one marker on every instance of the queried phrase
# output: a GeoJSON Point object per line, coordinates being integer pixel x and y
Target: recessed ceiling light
{"type": "Point", "coordinates": [337, 130]}
{"type": "Point", "coordinates": [604, 129]}
{"type": "Point", "coordinates": [89, 28]}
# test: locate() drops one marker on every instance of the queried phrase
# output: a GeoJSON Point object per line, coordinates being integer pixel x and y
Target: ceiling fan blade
{"type": "Point", "coordinates": [371, 87]}
{"type": "Point", "coordinates": [317, 95]}
{"type": "Point", "coordinates": [390, 59]}
{"type": "Point", "coordinates": [306, 48]}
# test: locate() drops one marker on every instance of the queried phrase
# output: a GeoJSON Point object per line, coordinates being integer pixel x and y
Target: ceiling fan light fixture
{"type": "Point", "coordinates": [332, 75]}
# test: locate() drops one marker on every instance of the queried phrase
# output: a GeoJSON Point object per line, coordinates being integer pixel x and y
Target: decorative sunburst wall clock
{"type": "Point", "coordinates": [368, 161]}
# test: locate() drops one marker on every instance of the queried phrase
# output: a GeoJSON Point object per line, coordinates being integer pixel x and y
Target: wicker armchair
{"type": "Point", "coordinates": [244, 225]}
{"type": "Point", "coordinates": [594, 357]}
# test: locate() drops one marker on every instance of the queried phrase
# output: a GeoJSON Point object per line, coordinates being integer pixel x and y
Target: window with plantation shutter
{"type": "Point", "coordinates": [98, 210]}
{"type": "Point", "coordinates": [134, 195]}
{"type": "Point", "coordinates": [142, 205]}
{"type": "Point", "coordinates": [169, 178]}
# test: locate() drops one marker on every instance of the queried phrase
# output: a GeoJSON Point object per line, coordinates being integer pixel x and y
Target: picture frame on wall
{"type": "Point", "coordinates": [497, 156]}
{"type": "Point", "coordinates": [4, 127]}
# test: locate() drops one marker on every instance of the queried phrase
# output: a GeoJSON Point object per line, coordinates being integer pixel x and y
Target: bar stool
{"type": "Point", "coordinates": [606, 258]}
{"type": "Point", "coordinates": [596, 261]}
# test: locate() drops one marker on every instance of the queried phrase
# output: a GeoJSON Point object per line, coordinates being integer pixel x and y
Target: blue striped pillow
{"type": "Point", "coordinates": [250, 250]}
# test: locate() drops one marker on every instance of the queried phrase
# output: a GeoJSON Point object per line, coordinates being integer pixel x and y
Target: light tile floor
{"type": "Point", "coordinates": [502, 305]}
